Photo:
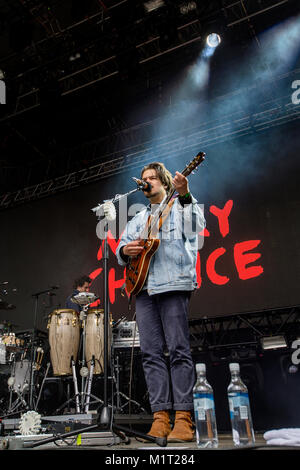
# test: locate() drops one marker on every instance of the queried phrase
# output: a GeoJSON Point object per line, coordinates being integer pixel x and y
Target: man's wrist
{"type": "Point", "coordinates": [186, 194]}
{"type": "Point", "coordinates": [185, 198]}
{"type": "Point", "coordinates": [124, 257]}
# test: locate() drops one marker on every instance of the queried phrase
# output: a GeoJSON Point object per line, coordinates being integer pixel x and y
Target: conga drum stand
{"type": "Point", "coordinates": [86, 374]}
{"type": "Point", "coordinates": [82, 397]}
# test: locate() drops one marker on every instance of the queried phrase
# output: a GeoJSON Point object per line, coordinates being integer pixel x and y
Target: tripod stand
{"type": "Point", "coordinates": [33, 342]}
{"type": "Point", "coordinates": [127, 401]}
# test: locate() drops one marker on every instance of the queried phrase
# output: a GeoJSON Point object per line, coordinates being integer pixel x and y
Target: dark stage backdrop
{"type": "Point", "coordinates": [250, 260]}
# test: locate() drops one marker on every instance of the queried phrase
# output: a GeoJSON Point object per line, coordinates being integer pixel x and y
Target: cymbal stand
{"type": "Point", "coordinates": [42, 386]}
{"type": "Point", "coordinates": [19, 402]}
{"type": "Point", "coordinates": [33, 340]}
{"type": "Point", "coordinates": [119, 395]}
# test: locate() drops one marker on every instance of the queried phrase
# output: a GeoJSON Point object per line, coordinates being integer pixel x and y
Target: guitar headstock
{"type": "Point", "coordinates": [194, 163]}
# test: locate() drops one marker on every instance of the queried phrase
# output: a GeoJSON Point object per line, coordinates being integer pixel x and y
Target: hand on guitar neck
{"type": "Point", "coordinates": [180, 183]}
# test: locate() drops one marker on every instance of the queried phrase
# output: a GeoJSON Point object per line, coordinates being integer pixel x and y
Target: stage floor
{"type": "Point", "coordinates": [112, 446]}
{"type": "Point", "coordinates": [124, 442]}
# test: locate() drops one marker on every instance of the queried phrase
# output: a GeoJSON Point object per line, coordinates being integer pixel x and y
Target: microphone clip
{"type": "Point", "coordinates": [142, 185]}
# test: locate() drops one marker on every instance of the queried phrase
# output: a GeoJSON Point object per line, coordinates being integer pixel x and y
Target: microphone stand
{"type": "Point", "coordinates": [118, 197]}
{"type": "Point", "coordinates": [36, 296]}
{"type": "Point", "coordinates": [105, 418]}
{"type": "Point", "coordinates": [105, 414]}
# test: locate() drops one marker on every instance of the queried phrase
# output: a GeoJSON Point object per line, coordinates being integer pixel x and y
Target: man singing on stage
{"type": "Point", "coordinates": [162, 304]}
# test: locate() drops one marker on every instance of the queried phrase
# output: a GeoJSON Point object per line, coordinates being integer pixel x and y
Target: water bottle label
{"type": "Point", "coordinates": [202, 403]}
{"type": "Point", "coordinates": [200, 413]}
{"type": "Point", "coordinates": [244, 412]}
{"type": "Point", "coordinates": [239, 401]}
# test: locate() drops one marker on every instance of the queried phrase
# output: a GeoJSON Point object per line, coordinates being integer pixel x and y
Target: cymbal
{"type": "Point", "coordinates": [6, 306]}
{"type": "Point", "coordinates": [84, 298]}
{"type": "Point", "coordinates": [7, 323]}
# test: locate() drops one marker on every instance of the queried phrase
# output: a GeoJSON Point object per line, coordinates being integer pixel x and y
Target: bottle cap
{"type": "Point", "coordinates": [234, 367]}
{"type": "Point", "coordinates": [200, 367]}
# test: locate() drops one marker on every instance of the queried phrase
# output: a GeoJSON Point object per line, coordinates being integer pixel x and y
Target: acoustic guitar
{"type": "Point", "coordinates": [138, 266]}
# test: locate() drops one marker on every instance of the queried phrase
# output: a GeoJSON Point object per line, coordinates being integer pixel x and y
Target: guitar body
{"type": "Point", "coordinates": [138, 267]}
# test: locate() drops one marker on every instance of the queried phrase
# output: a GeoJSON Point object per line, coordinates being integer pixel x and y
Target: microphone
{"type": "Point", "coordinates": [142, 184]}
{"type": "Point", "coordinates": [117, 323]}
{"type": "Point", "coordinates": [54, 287]}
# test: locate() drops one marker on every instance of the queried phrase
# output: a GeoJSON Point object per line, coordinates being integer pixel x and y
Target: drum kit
{"type": "Point", "coordinates": [69, 333]}
{"type": "Point", "coordinates": [75, 342]}
{"type": "Point", "coordinates": [15, 368]}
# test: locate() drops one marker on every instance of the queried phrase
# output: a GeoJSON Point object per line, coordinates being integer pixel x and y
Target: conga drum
{"type": "Point", "coordinates": [94, 339]}
{"type": "Point", "coordinates": [64, 335]}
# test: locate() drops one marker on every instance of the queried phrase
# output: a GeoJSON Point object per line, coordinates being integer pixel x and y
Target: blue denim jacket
{"type": "Point", "coordinates": [173, 266]}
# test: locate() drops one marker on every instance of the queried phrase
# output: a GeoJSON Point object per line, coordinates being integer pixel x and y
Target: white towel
{"type": "Point", "coordinates": [283, 437]}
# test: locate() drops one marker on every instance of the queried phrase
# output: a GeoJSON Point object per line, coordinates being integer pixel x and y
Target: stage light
{"type": "Point", "coordinates": [293, 369]}
{"type": "Point", "coordinates": [152, 5]}
{"type": "Point", "coordinates": [273, 342]}
{"type": "Point", "coordinates": [213, 40]}
{"type": "Point", "coordinates": [74, 57]}
{"type": "Point", "coordinates": [186, 7]}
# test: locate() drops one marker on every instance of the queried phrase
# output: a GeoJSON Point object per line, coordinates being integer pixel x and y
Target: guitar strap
{"type": "Point", "coordinates": [154, 227]}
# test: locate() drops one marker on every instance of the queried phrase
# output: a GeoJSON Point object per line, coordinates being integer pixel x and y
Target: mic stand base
{"type": "Point", "coordinates": [110, 436]}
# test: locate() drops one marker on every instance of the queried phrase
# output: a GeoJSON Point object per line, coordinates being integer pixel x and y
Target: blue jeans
{"type": "Point", "coordinates": [163, 324]}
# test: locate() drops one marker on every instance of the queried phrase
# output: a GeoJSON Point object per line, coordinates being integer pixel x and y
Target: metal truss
{"type": "Point", "coordinates": [97, 69]}
{"type": "Point", "coordinates": [242, 11]}
{"type": "Point", "coordinates": [101, 69]}
{"type": "Point", "coordinates": [244, 330]}
{"type": "Point", "coordinates": [42, 15]}
{"type": "Point", "coordinates": [130, 148]}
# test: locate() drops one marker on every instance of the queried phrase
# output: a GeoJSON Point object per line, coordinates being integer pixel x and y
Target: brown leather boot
{"type": "Point", "coordinates": [161, 424]}
{"type": "Point", "coordinates": [183, 428]}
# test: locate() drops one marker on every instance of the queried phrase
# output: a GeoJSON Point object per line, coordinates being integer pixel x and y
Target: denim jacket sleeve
{"type": "Point", "coordinates": [191, 217]}
{"type": "Point", "coordinates": [131, 232]}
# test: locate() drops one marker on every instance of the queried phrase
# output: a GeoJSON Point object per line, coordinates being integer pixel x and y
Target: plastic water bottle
{"type": "Point", "coordinates": [239, 408]}
{"type": "Point", "coordinates": [204, 410]}
{"type": "Point", "coordinates": [2, 352]}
